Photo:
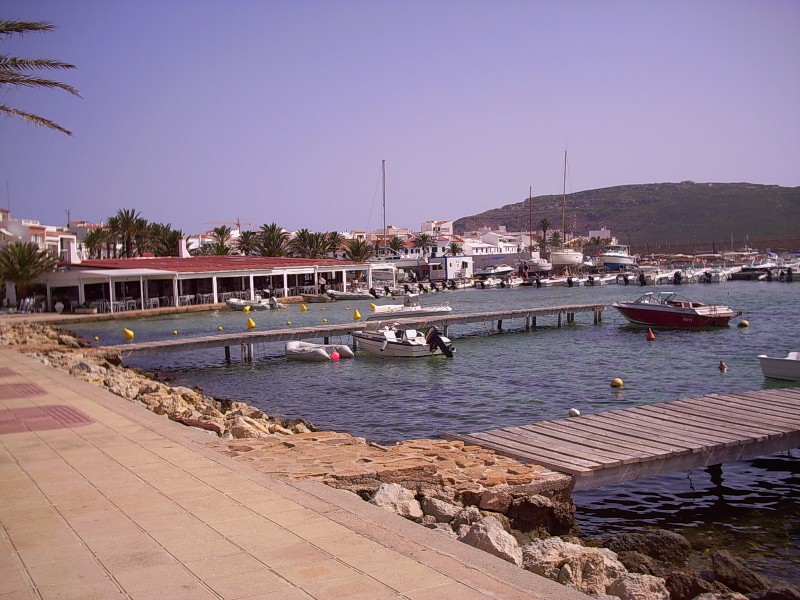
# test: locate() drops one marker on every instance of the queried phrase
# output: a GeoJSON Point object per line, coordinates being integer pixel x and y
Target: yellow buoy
{"type": "Point", "coordinates": [251, 324]}
{"type": "Point", "coordinates": [324, 308]}
{"type": "Point", "coordinates": [97, 338]}
{"type": "Point", "coordinates": [288, 322]}
{"type": "Point", "coordinates": [219, 328]}
{"type": "Point", "coordinates": [174, 332]}
{"type": "Point", "coordinates": [303, 308]}
{"type": "Point", "coordinates": [356, 315]}
{"type": "Point", "coordinates": [617, 382]}
{"type": "Point", "coordinates": [128, 333]}
{"type": "Point", "coordinates": [373, 306]}
{"type": "Point", "coordinates": [744, 323]}
{"type": "Point", "coordinates": [246, 309]}
{"type": "Point", "coordinates": [324, 320]}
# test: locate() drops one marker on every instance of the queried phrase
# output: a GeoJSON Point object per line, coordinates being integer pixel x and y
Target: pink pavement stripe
{"type": "Point", "coordinates": [39, 418]}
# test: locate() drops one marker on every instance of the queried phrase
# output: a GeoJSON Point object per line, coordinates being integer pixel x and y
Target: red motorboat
{"type": "Point", "coordinates": [668, 309]}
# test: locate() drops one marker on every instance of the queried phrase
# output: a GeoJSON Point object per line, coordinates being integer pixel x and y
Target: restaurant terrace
{"type": "Point", "coordinates": [114, 285]}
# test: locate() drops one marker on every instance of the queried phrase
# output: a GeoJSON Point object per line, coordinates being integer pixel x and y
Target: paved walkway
{"type": "Point", "coordinates": [100, 498]}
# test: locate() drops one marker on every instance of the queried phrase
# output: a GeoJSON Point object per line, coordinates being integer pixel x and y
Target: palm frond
{"type": "Point", "coordinates": [34, 119]}
{"type": "Point", "coordinates": [21, 27]}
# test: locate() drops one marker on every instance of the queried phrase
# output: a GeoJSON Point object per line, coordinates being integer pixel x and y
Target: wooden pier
{"type": "Point", "coordinates": [655, 439]}
{"type": "Point", "coordinates": [527, 317]}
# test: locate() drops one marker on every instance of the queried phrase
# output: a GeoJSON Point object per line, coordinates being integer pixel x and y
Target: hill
{"type": "Point", "coordinates": [687, 214]}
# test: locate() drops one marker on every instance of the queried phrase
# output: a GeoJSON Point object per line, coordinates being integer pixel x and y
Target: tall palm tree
{"type": "Point", "coordinates": [17, 73]}
{"type": "Point", "coordinates": [112, 236]}
{"type": "Point", "coordinates": [424, 241]}
{"type": "Point", "coordinates": [247, 243]}
{"type": "Point", "coordinates": [129, 224]}
{"type": "Point", "coordinates": [335, 241]}
{"type": "Point", "coordinates": [397, 244]}
{"type": "Point", "coordinates": [163, 240]}
{"type": "Point", "coordinates": [22, 262]}
{"type": "Point", "coordinates": [545, 226]}
{"type": "Point", "coordinates": [222, 234]}
{"type": "Point", "coordinates": [94, 241]}
{"type": "Point", "coordinates": [358, 250]}
{"type": "Point", "coordinates": [272, 240]}
{"type": "Point", "coordinates": [454, 248]}
{"type": "Point", "coordinates": [555, 239]}
{"type": "Point", "coordinates": [309, 244]}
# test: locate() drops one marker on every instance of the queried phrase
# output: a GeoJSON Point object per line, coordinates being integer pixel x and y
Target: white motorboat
{"type": "Point", "coordinates": [258, 304]}
{"type": "Point", "coordinates": [513, 281]}
{"type": "Point", "coordinates": [409, 308]}
{"type": "Point", "coordinates": [539, 265]}
{"type": "Point", "coordinates": [392, 341]}
{"type": "Point", "coordinates": [781, 368]}
{"type": "Point", "coordinates": [494, 271]}
{"type": "Point", "coordinates": [488, 282]}
{"type": "Point", "coordinates": [308, 352]}
{"type": "Point", "coordinates": [566, 257]}
{"type": "Point", "coordinates": [615, 258]}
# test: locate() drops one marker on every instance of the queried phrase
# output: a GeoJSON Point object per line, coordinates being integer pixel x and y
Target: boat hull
{"type": "Point", "coordinates": [308, 352]}
{"type": "Point", "coordinates": [678, 318]}
{"type": "Point", "coordinates": [408, 312]}
{"type": "Point", "coordinates": [376, 344]}
{"type": "Point", "coordinates": [786, 369]}
{"type": "Point", "coordinates": [566, 258]}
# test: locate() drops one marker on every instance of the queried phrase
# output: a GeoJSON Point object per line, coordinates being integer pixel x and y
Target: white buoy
{"type": "Point", "coordinates": [574, 412]}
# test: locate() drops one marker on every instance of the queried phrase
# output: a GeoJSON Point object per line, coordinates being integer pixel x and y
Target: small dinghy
{"type": "Point", "coordinates": [787, 369]}
{"type": "Point", "coordinates": [257, 304]}
{"type": "Point", "coordinates": [308, 352]}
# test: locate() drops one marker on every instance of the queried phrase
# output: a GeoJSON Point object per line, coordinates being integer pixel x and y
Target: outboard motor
{"type": "Point", "coordinates": [373, 292]}
{"type": "Point", "coordinates": [406, 289]}
{"type": "Point", "coordinates": [387, 290]}
{"type": "Point", "coordinates": [569, 282]}
{"type": "Point", "coordinates": [421, 287]}
{"type": "Point", "coordinates": [677, 277]}
{"type": "Point", "coordinates": [434, 339]}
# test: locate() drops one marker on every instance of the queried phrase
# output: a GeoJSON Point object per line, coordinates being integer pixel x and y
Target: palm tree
{"type": "Point", "coordinates": [216, 248]}
{"type": "Point", "coordinates": [247, 243]}
{"type": "Point", "coordinates": [163, 240]}
{"type": "Point", "coordinates": [22, 262]}
{"type": "Point", "coordinates": [309, 244]}
{"type": "Point", "coordinates": [112, 236]}
{"type": "Point", "coordinates": [222, 234]}
{"type": "Point", "coordinates": [272, 240]}
{"type": "Point", "coordinates": [357, 250]}
{"type": "Point", "coordinates": [397, 244]}
{"type": "Point", "coordinates": [335, 241]}
{"type": "Point", "coordinates": [129, 225]}
{"type": "Point", "coordinates": [454, 248]}
{"type": "Point", "coordinates": [94, 241]}
{"type": "Point", "coordinates": [545, 226]}
{"type": "Point", "coordinates": [18, 73]}
{"type": "Point", "coordinates": [555, 239]}
{"type": "Point", "coordinates": [424, 241]}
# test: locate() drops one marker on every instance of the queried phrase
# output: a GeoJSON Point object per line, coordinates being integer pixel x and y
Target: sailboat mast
{"type": "Point", "coordinates": [530, 220]}
{"type": "Point", "coordinates": [383, 179]}
{"type": "Point", "coordinates": [564, 199]}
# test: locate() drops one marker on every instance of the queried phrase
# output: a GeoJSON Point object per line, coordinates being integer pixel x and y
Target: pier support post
{"type": "Point", "coordinates": [559, 319]}
{"type": "Point", "coordinates": [527, 323]}
{"type": "Point", "coordinates": [227, 353]}
{"type": "Point", "coordinates": [326, 340]}
{"type": "Point", "coordinates": [500, 325]}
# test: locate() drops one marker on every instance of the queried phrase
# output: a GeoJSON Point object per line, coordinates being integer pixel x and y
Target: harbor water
{"type": "Point", "coordinates": [517, 377]}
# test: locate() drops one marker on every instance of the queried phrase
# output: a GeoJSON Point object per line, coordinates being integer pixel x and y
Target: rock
{"type": "Point", "coordinates": [685, 586]}
{"type": "Point", "coordinates": [466, 516]}
{"type": "Point", "coordinates": [777, 593]}
{"type": "Point", "coordinates": [732, 573]}
{"type": "Point", "coordinates": [207, 425]}
{"type": "Point", "coordinates": [635, 586]}
{"type": "Point", "coordinates": [636, 562]}
{"type": "Point", "coordinates": [394, 497]}
{"type": "Point", "coordinates": [238, 428]}
{"type": "Point", "coordinates": [443, 512]}
{"type": "Point", "coordinates": [590, 570]}
{"type": "Point", "coordinates": [659, 544]}
{"type": "Point", "coordinates": [488, 535]}
{"type": "Point", "coordinates": [720, 596]}
{"type": "Point", "coordinates": [495, 500]}
{"type": "Point", "coordinates": [542, 515]}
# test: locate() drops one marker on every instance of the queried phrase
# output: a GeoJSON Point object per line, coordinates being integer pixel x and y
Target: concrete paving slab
{"type": "Point", "coordinates": [136, 506]}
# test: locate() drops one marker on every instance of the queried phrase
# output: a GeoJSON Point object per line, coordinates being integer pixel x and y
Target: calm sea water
{"type": "Point", "coordinates": [519, 377]}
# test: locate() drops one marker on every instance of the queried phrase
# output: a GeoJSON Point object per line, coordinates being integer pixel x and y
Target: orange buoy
{"type": "Point", "coordinates": [650, 335]}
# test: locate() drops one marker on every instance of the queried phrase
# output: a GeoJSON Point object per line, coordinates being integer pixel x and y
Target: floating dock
{"type": "Point", "coordinates": [650, 440]}
{"type": "Point", "coordinates": [527, 317]}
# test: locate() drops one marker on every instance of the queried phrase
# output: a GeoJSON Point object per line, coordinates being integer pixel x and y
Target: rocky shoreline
{"type": "Point", "coordinates": [521, 513]}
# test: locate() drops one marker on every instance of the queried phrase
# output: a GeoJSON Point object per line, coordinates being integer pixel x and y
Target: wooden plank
{"type": "Point", "coordinates": [666, 430]}
{"type": "Point", "coordinates": [585, 430]}
{"type": "Point", "coordinates": [710, 424]}
{"type": "Point", "coordinates": [592, 440]}
{"type": "Point", "coordinates": [512, 440]}
{"type": "Point", "coordinates": [744, 415]}
{"type": "Point", "coordinates": [725, 420]}
{"type": "Point", "coordinates": [614, 425]}
{"type": "Point", "coordinates": [574, 446]}
{"type": "Point", "coordinates": [778, 404]}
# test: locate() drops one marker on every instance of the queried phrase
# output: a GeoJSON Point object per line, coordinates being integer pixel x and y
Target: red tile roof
{"type": "Point", "coordinates": [198, 264]}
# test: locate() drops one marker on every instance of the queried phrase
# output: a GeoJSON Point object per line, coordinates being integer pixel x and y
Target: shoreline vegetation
{"type": "Point", "coordinates": [522, 513]}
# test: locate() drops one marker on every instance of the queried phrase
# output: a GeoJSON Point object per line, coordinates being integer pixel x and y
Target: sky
{"type": "Point", "coordinates": [198, 113]}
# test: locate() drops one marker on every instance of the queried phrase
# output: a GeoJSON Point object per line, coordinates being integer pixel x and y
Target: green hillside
{"type": "Point", "coordinates": [679, 214]}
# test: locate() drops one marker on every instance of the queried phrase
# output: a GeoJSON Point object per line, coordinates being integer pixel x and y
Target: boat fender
{"type": "Point", "coordinates": [334, 356]}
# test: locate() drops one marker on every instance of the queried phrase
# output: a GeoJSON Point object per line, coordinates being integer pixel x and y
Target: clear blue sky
{"type": "Point", "coordinates": [196, 111]}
